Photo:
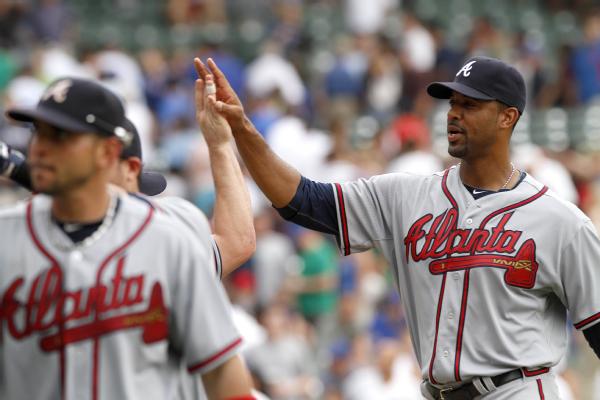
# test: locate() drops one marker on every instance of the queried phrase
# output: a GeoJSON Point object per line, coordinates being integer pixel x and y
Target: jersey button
{"type": "Point", "coordinates": [456, 276]}
{"type": "Point", "coordinates": [450, 315]}
{"type": "Point", "coordinates": [76, 256]}
{"type": "Point", "coordinates": [469, 221]}
{"type": "Point", "coordinates": [445, 354]}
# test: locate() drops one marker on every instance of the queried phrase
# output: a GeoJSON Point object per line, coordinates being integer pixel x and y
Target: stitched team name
{"type": "Point", "coordinates": [49, 306]}
{"type": "Point", "coordinates": [444, 239]}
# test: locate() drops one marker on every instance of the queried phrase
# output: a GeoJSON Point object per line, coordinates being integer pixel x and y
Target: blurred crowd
{"type": "Point", "coordinates": [337, 87]}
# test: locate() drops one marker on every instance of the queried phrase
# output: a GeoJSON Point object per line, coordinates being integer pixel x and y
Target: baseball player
{"type": "Point", "coordinates": [233, 238]}
{"type": "Point", "coordinates": [102, 297]}
{"type": "Point", "coordinates": [487, 259]}
{"type": "Point", "coordinates": [233, 228]}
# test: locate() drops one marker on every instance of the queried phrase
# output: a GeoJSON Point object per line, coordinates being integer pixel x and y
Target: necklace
{"type": "Point", "coordinates": [98, 233]}
{"type": "Point", "coordinates": [512, 172]}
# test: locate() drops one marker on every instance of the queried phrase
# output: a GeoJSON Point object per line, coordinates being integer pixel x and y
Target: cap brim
{"type": "Point", "coordinates": [152, 183]}
{"type": "Point", "coordinates": [50, 117]}
{"type": "Point", "coordinates": [443, 90]}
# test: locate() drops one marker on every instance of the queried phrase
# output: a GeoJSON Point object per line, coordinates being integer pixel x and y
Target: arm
{"type": "Point", "coordinates": [579, 281]}
{"type": "Point", "coordinates": [233, 228]}
{"type": "Point", "coordinates": [277, 179]}
{"type": "Point", "coordinates": [319, 206]}
{"type": "Point", "coordinates": [233, 219]}
{"type": "Point", "coordinates": [228, 381]}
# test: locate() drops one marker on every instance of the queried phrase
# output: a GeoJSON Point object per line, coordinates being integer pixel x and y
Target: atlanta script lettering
{"type": "Point", "coordinates": [102, 308]}
{"type": "Point", "coordinates": [440, 239]}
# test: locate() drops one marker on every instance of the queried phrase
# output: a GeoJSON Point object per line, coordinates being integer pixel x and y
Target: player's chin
{"type": "Point", "coordinates": [42, 184]}
{"type": "Point", "coordinates": [457, 150]}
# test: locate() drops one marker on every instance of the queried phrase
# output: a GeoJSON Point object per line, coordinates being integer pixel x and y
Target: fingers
{"type": "Point", "coordinates": [210, 90]}
{"type": "Point", "coordinates": [201, 69]}
{"type": "Point", "coordinates": [226, 109]}
{"type": "Point", "coordinates": [199, 95]}
{"type": "Point", "coordinates": [220, 78]}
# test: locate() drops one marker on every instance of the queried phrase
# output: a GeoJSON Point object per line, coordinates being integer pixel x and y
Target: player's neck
{"type": "Point", "coordinates": [490, 174]}
{"type": "Point", "coordinates": [81, 205]}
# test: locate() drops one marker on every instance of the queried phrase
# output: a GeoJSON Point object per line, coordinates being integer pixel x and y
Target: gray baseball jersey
{"type": "Point", "coordinates": [485, 283]}
{"type": "Point", "coordinates": [112, 318]}
{"type": "Point", "coordinates": [192, 219]}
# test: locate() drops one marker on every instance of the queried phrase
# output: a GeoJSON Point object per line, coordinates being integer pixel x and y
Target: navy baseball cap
{"type": "Point", "coordinates": [78, 105]}
{"type": "Point", "coordinates": [485, 78]}
{"type": "Point", "coordinates": [151, 183]}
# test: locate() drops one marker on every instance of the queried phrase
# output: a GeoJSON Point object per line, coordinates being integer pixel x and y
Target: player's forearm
{"type": "Point", "coordinates": [233, 220]}
{"type": "Point", "coordinates": [228, 381]}
{"type": "Point", "coordinates": [275, 178]}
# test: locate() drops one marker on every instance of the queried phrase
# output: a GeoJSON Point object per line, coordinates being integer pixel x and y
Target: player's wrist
{"type": "Point", "coordinates": [219, 145]}
{"type": "Point", "coordinates": [241, 126]}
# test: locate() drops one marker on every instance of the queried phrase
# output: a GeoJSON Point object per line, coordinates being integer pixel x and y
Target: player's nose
{"type": "Point", "coordinates": [454, 113]}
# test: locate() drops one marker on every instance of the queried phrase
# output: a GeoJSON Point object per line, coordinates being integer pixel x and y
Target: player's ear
{"type": "Point", "coordinates": [134, 165]}
{"type": "Point", "coordinates": [508, 117]}
{"type": "Point", "coordinates": [109, 150]}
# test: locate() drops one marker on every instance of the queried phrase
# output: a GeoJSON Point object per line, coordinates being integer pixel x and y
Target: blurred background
{"type": "Point", "coordinates": [337, 87]}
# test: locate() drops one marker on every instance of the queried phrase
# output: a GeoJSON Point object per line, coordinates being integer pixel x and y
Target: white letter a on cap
{"type": "Point", "coordinates": [58, 91]}
{"type": "Point", "coordinates": [466, 69]}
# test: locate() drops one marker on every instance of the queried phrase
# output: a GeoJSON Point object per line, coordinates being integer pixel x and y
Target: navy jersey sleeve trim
{"type": "Point", "coordinates": [592, 335]}
{"type": "Point", "coordinates": [313, 207]}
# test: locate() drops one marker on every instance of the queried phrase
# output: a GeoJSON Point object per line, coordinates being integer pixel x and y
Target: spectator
{"type": "Point", "coordinates": [284, 361]}
{"type": "Point", "coordinates": [586, 59]}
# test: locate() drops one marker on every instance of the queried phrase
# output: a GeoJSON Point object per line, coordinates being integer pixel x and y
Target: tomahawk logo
{"type": "Point", "coordinates": [466, 69]}
{"type": "Point", "coordinates": [438, 239]}
{"type": "Point", "coordinates": [58, 92]}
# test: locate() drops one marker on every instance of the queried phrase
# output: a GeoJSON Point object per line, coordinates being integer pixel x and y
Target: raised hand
{"type": "Point", "coordinates": [227, 102]}
{"type": "Point", "coordinates": [214, 126]}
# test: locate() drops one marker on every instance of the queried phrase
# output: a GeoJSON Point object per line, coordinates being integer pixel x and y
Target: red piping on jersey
{"type": "Point", "coordinates": [461, 324]}
{"type": "Point", "coordinates": [513, 206]}
{"type": "Point", "coordinates": [61, 357]}
{"type": "Point", "coordinates": [103, 265]}
{"type": "Point", "coordinates": [441, 295]}
{"type": "Point", "coordinates": [540, 389]}
{"type": "Point", "coordinates": [463, 306]}
{"type": "Point", "coordinates": [437, 325]}
{"type": "Point", "coordinates": [451, 198]}
{"type": "Point", "coordinates": [344, 233]}
{"type": "Point", "coordinates": [35, 239]}
{"type": "Point", "coordinates": [215, 356]}
{"type": "Point", "coordinates": [586, 321]}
